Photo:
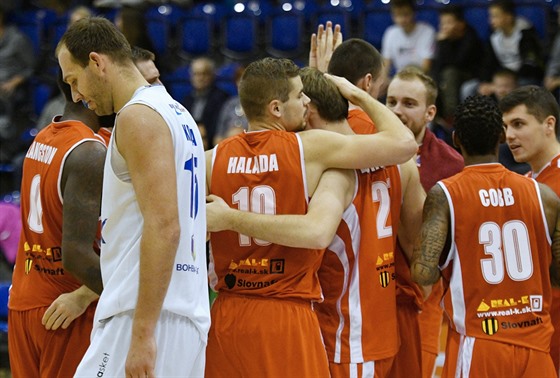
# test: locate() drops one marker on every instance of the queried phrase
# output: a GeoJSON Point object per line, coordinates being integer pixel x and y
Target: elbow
{"type": "Point", "coordinates": [321, 240]}
{"type": "Point", "coordinates": [410, 148]}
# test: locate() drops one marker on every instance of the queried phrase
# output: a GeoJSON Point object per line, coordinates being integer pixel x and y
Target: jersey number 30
{"type": "Point", "coordinates": [510, 250]}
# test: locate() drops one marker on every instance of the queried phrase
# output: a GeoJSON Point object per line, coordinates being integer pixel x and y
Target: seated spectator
{"type": "Point", "coordinates": [232, 118]}
{"type": "Point", "coordinates": [55, 105]}
{"type": "Point", "coordinates": [16, 67]}
{"type": "Point", "coordinates": [552, 74]}
{"type": "Point", "coordinates": [407, 42]}
{"type": "Point", "coordinates": [514, 44]}
{"type": "Point", "coordinates": [206, 100]}
{"type": "Point", "coordinates": [503, 82]}
{"type": "Point", "coordinates": [456, 58]}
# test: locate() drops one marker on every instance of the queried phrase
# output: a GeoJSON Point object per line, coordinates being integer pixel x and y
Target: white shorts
{"type": "Point", "coordinates": [180, 350]}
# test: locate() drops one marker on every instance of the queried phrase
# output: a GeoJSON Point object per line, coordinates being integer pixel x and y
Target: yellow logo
{"type": "Point", "coordinates": [384, 279]}
{"type": "Point", "coordinates": [483, 306]}
{"type": "Point", "coordinates": [490, 326]}
{"type": "Point", "coordinates": [28, 265]}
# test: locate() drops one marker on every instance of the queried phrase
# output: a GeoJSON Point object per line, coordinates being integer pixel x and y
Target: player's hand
{"type": "Point", "coordinates": [323, 43]}
{"type": "Point", "coordinates": [64, 309]}
{"type": "Point", "coordinates": [216, 210]}
{"type": "Point", "coordinates": [141, 358]}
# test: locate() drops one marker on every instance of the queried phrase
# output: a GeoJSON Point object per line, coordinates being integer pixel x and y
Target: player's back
{"type": "Point", "coordinates": [496, 273]}
{"type": "Point", "coordinates": [357, 274]}
{"type": "Point", "coordinates": [262, 172]}
{"type": "Point", "coordinates": [39, 276]}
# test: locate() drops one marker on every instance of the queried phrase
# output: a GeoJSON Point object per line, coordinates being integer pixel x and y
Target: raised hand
{"type": "Point", "coordinates": [323, 43]}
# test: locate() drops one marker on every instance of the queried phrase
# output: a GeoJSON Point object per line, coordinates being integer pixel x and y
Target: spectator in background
{"type": "Point", "coordinates": [206, 100]}
{"type": "Point", "coordinates": [78, 13]}
{"type": "Point", "coordinates": [16, 67]}
{"type": "Point", "coordinates": [456, 58]}
{"type": "Point", "coordinates": [503, 82]}
{"type": "Point", "coordinates": [232, 118]}
{"type": "Point", "coordinates": [407, 42]}
{"type": "Point", "coordinates": [552, 74]}
{"type": "Point", "coordinates": [55, 106]}
{"type": "Point", "coordinates": [514, 44]}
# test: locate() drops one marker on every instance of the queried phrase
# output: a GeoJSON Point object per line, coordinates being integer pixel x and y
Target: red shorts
{"type": "Point", "coordinates": [369, 369]}
{"type": "Point", "coordinates": [408, 361]}
{"type": "Point", "coordinates": [430, 320]}
{"type": "Point", "coordinates": [37, 352]}
{"type": "Point", "coordinates": [470, 357]}
{"type": "Point", "coordinates": [264, 337]}
{"type": "Point", "coordinates": [555, 319]}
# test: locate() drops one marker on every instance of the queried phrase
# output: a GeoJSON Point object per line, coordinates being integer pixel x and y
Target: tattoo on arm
{"type": "Point", "coordinates": [432, 240]}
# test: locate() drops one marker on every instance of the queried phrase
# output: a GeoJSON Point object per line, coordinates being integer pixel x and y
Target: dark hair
{"type": "Point", "coordinates": [265, 80]}
{"type": "Point", "coordinates": [95, 34]}
{"type": "Point", "coordinates": [354, 59]}
{"type": "Point", "coordinates": [453, 10]}
{"type": "Point", "coordinates": [539, 102]}
{"type": "Point", "coordinates": [507, 6]}
{"type": "Point", "coordinates": [324, 94]}
{"type": "Point", "coordinates": [140, 55]}
{"type": "Point", "coordinates": [478, 125]}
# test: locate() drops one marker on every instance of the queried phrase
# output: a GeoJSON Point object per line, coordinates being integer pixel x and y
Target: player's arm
{"type": "Point", "coordinates": [433, 235]}
{"type": "Point", "coordinates": [412, 206]}
{"type": "Point", "coordinates": [393, 143]}
{"type": "Point", "coordinates": [315, 229]}
{"type": "Point", "coordinates": [208, 154]}
{"type": "Point", "coordinates": [551, 204]}
{"type": "Point", "coordinates": [81, 186]}
{"type": "Point", "coordinates": [145, 142]}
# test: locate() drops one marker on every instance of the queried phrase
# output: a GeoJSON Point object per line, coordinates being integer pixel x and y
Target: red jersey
{"type": "Point", "coordinates": [39, 277]}
{"type": "Point", "coordinates": [358, 315]}
{"type": "Point", "coordinates": [550, 175]}
{"type": "Point", "coordinates": [105, 135]}
{"type": "Point", "coordinates": [262, 172]}
{"type": "Point", "coordinates": [496, 275]}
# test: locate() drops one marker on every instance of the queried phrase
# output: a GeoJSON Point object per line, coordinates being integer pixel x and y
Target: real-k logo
{"type": "Point", "coordinates": [490, 326]}
{"type": "Point", "coordinates": [229, 280]}
{"type": "Point", "coordinates": [28, 265]}
{"type": "Point", "coordinates": [384, 278]}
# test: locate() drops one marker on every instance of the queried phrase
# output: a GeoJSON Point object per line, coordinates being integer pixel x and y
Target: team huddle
{"type": "Point", "coordinates": [338, 233]}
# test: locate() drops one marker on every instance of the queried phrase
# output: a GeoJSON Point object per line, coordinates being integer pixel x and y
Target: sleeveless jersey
{"type": "Point", "coordinates": [39, 277]}
{"type": "Point", "coordinates": [550, 175]}
{"type": "Point", "coordinates": [496, 275]}
{"type": "Point", "coordinates": [123, 221]}
{"type": "Point", "coordinates": [358, 315]}
{"type": "Point", "coordinates": [262, 172]}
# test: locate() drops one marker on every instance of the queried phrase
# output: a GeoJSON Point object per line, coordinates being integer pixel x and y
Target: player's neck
{"type": "Point", "coordinates": [541, 159]}
{"type": "Point", "coordinates": [480, 159]}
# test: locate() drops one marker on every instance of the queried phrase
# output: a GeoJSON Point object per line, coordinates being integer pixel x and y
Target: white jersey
{"type": "Point", "coordinates": [408, 49]}
{"type": "Point", "coordinates": [122, 221]}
